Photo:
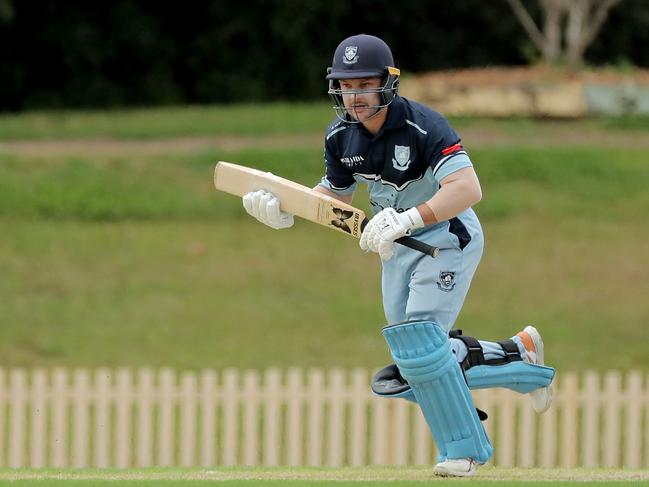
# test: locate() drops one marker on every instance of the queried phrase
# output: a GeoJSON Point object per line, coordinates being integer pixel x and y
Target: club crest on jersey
{"type": "Point", "coordinates": [446, 281]}
{"type": "Point", "coordinates": [350, 56]}
{"type": "Point", "coordinates": [401, 160]}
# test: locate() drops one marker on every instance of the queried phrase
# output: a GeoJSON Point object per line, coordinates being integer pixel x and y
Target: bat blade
{"type": "Point", "coordinates": [294, 198]}
{"type": "Point", "coordinates": [301, 201]}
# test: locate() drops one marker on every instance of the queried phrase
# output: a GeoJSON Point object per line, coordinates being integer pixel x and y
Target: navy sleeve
{"type": "Point", "coordinates": [337, 177]}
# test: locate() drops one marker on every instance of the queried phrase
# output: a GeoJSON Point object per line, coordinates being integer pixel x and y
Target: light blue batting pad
{"type": "Point", "coordinates": [423, 355]}
{"type": "Point", "coordinates": [518, 376]}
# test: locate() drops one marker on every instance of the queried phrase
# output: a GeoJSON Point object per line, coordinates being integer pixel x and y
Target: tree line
{"type": "Point", "coordinates": [75, 53]}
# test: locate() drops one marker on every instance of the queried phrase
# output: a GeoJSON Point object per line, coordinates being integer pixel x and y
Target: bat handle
{"type": "Point", "coordinates": [412, 243]}
{"type": "Point", "coordinates": [422, 247]}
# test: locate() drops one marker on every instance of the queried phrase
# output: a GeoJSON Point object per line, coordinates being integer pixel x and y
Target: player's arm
{"type": "Point", "coordinates": [265, 207]}
{"type": "Point", "coordinates": [458, 191]}
{"type": "Point", "coordinates": [348, 198]}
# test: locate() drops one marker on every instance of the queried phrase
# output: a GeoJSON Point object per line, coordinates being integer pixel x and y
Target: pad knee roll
{"type": "Point", "coordinates": [423, 355]}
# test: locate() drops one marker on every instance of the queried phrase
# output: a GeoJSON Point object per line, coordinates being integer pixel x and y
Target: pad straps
{"type": "Point", "coordinates": [512, 354]}
{"type": "Point", "coordinates": [475, 355]}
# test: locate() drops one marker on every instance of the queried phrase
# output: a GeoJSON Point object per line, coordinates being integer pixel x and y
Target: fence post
{"type": "Point", "coordinates": [274, 396]}
{"type": "Point", "coordinates": [549, 436]}
{"type": "Point", "coordinates": [102, 417]}
{"type": "Point", "coordinates": [80, 403]}
{"type": "Point", "coordinates": [17, 404]}
{"type": "Point", "coordinates": [633, 415]}
{"type": "Point", "coordinates": [3, 401]}
{"type": "Point", "coordinates": [123, 409]}
{"type": "Point", "coordinates": [39, 407]}
{"type": "Point", "coordinates": [358, 425]}
{"type": "Point", "coordinates": [208, 418]}
{"type": "Point", "coordinates": [251, 418]}
{"type": "Point", "coordinates": [379, 407]}
{"type": "Point", "coordinates": [527, 433]}
{"type": "Point", "coordinates": [59, 438]}
{"type": "Point", "coordinates": [188, 410]}
{"type": "Point", "coordinates": [315, 422]}
{"type": "Point", "coordinates": [401, 432]}
{"type": "Point", "coordinates": [645, 396]}
{"type": "Point", "coordinates": [336, 420]}
{"type": "Point", "coordinates": [569, 403]}
{"type": "Point", "coordinates": [167, 417]}
{"type": "Point", "coordinates": [230, 421]}
{"type": "Point", "coordinates": [295, 386]}
{"type": "Point", "coordinates": [144, 399]}
{"type": "Point", "coordinates": [505, 442]}
{"type": "Point", "coordinates": [590, 434]}
{"type": "Point", "coordinates": [612, 385]}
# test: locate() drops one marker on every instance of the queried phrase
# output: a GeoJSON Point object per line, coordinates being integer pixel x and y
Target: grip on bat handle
{"type": "Point", "coordinates": [412, 243]}
{"type": "Point", "coordinates": [415, 244]}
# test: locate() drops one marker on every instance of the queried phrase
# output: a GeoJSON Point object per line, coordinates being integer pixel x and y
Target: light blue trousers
{"type": "Point", "coordinates": [417, 287]}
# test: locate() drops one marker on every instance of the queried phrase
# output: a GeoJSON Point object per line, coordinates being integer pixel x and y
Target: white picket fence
{"type": "Point", "coordinates": [142, 418]}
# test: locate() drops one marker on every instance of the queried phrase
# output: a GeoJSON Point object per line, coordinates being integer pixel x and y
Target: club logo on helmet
{"type": "Point", "coordinates": [401, 160]}
{"type": "Point", "coordinates": [350, 56]}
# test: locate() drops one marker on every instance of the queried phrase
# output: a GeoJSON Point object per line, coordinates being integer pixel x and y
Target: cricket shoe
{"type": "Point", "coordinates": [460, 467]}
{"type": "Point", "coordinates": [533, 343]}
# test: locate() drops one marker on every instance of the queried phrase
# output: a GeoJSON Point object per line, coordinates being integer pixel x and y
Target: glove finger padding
{"type": "Point", "coordinates": [265, 207]}
{"type": "Point", "coordinates": [247, 204]}
{"type": "Point", "coordinates": [277, 218]}
{"type": "Point", "coordinates": [375, 240]}
{"type": "Point", "coordinates": [364, 243]}
{"type": "Point", "coordinates": [256, 196]}
{"type": "Point", "coordinates": [386, 250]}
{"type": "Point", "coordinates": [262, 208]}
{"type": "Point", "coordinates": [273, 215]}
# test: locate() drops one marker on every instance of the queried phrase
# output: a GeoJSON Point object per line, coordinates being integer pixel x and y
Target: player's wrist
{"type": "Point", "coordinates": [427, 214]}
{"type": "Point", "coordinates": [412, 219]}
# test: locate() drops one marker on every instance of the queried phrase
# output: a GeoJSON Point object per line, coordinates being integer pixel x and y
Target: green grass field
{"type": "Point", "coordinates": [247, 120]}
{"type": "Point", "coordinates": [127, 257]}
{"type": "Point", "coordinates": [321, 477]}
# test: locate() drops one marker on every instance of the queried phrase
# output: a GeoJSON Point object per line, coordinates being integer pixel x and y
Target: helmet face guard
{"type": "Point", "coordinates": [387, 92]}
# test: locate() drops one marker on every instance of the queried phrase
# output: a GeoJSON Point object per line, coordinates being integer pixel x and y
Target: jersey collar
{"type": "Point", "coordinates": [396, 115]}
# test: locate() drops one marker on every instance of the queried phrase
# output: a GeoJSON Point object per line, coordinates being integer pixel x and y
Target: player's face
{"type": "Point", "coordinates": [360, 104]}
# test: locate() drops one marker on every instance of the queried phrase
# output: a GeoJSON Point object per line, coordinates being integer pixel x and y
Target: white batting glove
{"type": "Point", "coordinates": [264, 206]}
{"type": "Point", "coordinates": [387, 226]}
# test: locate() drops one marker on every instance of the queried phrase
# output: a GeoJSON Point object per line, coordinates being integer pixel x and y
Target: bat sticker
{"type": "Point", "coordinates": [341, 219]}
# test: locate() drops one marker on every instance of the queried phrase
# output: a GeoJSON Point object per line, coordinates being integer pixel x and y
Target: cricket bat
{"type": "Point", "coordinates": [302, 201]}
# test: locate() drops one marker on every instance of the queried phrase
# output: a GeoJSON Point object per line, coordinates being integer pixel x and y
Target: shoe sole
{"type": "Point", "coordinates": [451, 473]}
{"type": "Point", "coordinates": [541, 398]}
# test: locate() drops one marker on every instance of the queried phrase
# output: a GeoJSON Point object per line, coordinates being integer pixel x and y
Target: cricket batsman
{"type": "Point", "coordinates": [421, 182]}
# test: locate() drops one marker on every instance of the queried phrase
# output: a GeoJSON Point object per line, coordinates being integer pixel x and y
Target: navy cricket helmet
{"type": "Point", "coordinates": [362, 56]}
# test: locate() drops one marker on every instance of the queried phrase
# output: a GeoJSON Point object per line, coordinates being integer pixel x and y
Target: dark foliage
{"type": "Point", "coordinates": [77, 53]}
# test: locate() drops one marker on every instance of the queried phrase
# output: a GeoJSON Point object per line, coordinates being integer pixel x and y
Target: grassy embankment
{"type": "Point", "coordinates": [130, 258]}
